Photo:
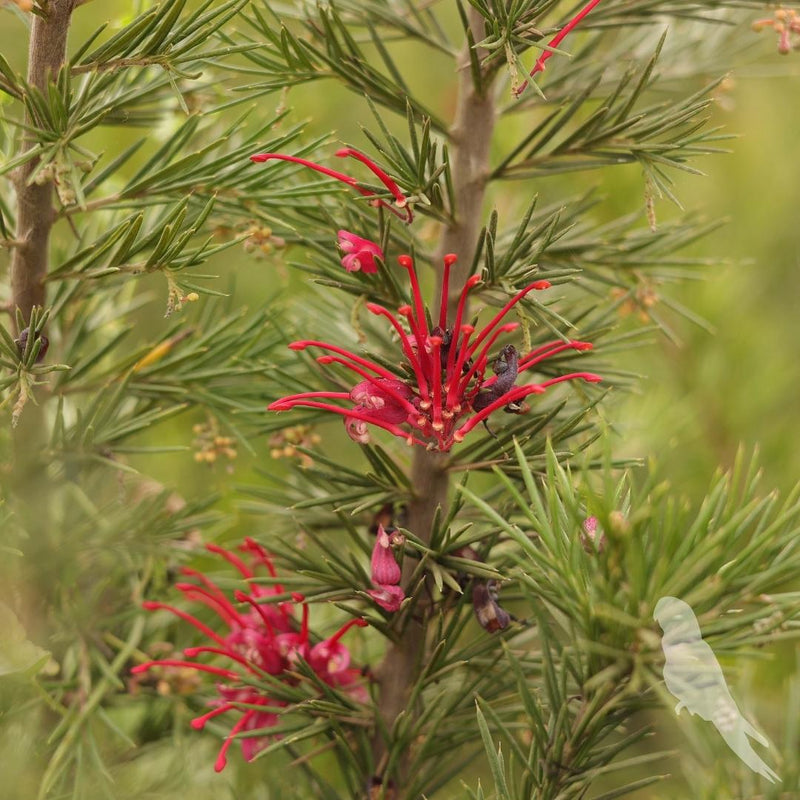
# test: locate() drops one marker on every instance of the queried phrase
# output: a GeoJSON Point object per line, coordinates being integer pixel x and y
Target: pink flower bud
{"type": "Point", "coordinates": [388, 598]}
{"type": "Point", "coordinates": [359, 253]}
{"type": "Point", "coordinates": [384, 568]}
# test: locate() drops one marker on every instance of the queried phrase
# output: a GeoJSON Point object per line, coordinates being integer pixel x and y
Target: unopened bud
{"type": "Point", "coordinates": [22, 343]}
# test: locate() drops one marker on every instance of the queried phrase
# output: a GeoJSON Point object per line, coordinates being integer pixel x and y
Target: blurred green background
{"type": "Point", "coordinates": [699, 398]}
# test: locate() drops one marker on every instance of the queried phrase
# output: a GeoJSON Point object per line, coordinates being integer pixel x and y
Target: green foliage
{"type": "Point", "coordinates": [142, 139]}
{"type": "Point", "coordinates": [17, 653]}
{"type": "Point", "coordinates": [593, 601]}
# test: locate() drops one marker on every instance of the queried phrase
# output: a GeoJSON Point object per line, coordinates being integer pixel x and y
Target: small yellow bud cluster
{"type": "Point", "coordinates": [644, 298]}
{"type": "Point", "coordinates": [261, 240]}
{"type": "Point", "coordinates": [284, 443]}
{"type": "Point", "coordinates": [210, 445]}
{"type": "Point", "coordinates": [59, 172]}
{"type": "Point", "coordinates": [176, 297]}
{"type": "Point", "coordinates": [786, 24]}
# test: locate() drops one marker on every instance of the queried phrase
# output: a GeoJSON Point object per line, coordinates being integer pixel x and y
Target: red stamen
{"type": "Point", "coordinates": [589, 377]}
{"type": "Point", "coordinates": [455, 370]}
{"type": "Point", "coordinates": [193, 652]}
{"type": "Point", "coordinates": [198, 723]}
{"type": "Point", "coordinates": [554, 42]}
{"type": "Point", "coordinates": [422, 321]}
{"type": "Point", "coordinates": [479, 362]}
{"type": "Point", "coordinates": [357, 622]}
{"type": "Point", "coordinates": [376, 368]}
{"type": "Point", "coordinates": [436, 358]}
{"type": "Point", "coordinates": [462, 304]}
{"type": "Point", "coordinates": [420, 361]}
{"type": "Point", "coordinates": [400, 198]}
{"type": "Point", "coordinates": [550, 349]}
{"type": "Point", "coordinates": [504, 310]}
{"type": "Point", "coordinates": [222, 760]}
{"type": "Point", "coordinates": [231, 558]}
{"type": "Point", "coordinates": [210, 585]}
{"type": "Point", "coordinates": [206, 581]}
{"type": "Point", "coordinates": [276, 406]}
{"type": "Point", "coordinates": [517, 393]}
{"type": "Point", "coordinates": [245, 598]}
{"type": "Point", "coordinates": [405, 343]}
{"type": "Point", "coordinates": [224, 609]}
{"type": "Point", "coordinates": [331, 173]}
{"type": "Point", "coordinates": [174, 662]}
{"type": "Point", "coordinates": [348, 412]}
{"type": "Point", "coordinates": [298, 598]}
{"type": "Point", "coordinates": [151, 605]}
{"type": "Point", "coordinates": [393, 393]}
{"type": "Point", "coordinates": [252, 546]}
{"type": "Point", "coordinates": [449, 260]}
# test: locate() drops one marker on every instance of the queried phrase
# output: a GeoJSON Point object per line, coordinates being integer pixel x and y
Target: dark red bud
{"type": "Point", "coordinates": [22, 343]}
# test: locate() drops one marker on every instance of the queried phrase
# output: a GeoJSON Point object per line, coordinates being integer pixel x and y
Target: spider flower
{"type": "Point", "coordinates": [444, 392]}
{"type": "Point", "coordinates": [399, 207]}
{"type": "Point", "coordinates": [258, 640]}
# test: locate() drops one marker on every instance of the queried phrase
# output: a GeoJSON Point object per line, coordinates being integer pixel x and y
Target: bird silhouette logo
{"type": "Point", "coordinates": [693, 675]}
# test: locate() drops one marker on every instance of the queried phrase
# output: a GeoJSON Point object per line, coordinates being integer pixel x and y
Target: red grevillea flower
{"type": "Point", "coordinates": [400, 207]}
{"type": "Point", "coordinates": [555, 42]}
{"type": "Point", "coordinates": [445, 381]}
{"type": "Point", "coordinates": [359, 253]}
{"type": "Point", "coordinates": [260, 640]}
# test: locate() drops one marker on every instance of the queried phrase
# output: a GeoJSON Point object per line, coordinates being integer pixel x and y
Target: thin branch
{"type": "Point", "coordinates": [471, 135]}
{"type": "Point", "coordinates": [120, 63]}
{"type": "Point", "coordinates": [35, 213]}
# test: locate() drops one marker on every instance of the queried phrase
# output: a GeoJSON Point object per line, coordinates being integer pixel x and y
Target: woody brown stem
{"type": "Point", "coordinates": [471, 135]}
{"type": "Point", "coordinates": [35, 213]}
{"type": "Point", "coordinates": [29, 265]}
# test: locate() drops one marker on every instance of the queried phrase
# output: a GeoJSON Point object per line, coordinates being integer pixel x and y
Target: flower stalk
{"type": "Point", "coordinates": [470, 135]}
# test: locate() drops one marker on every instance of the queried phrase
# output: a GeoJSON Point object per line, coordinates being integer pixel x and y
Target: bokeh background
{"type": "Point", "coordinates": [730, 380]}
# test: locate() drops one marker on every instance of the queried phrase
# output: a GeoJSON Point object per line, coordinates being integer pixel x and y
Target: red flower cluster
{"type": "Point", "coordinates": [264, 639]}
{"type": "Point", "coordinates": [446, 380]}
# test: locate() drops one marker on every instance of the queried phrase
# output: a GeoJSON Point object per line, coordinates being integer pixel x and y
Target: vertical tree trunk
{"type": "Point", "coordinates": [35, 212]}
{"type": "Point", "coordinates": [29, 264]}
{"type": "Point", "coordinates": [471, 135]}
